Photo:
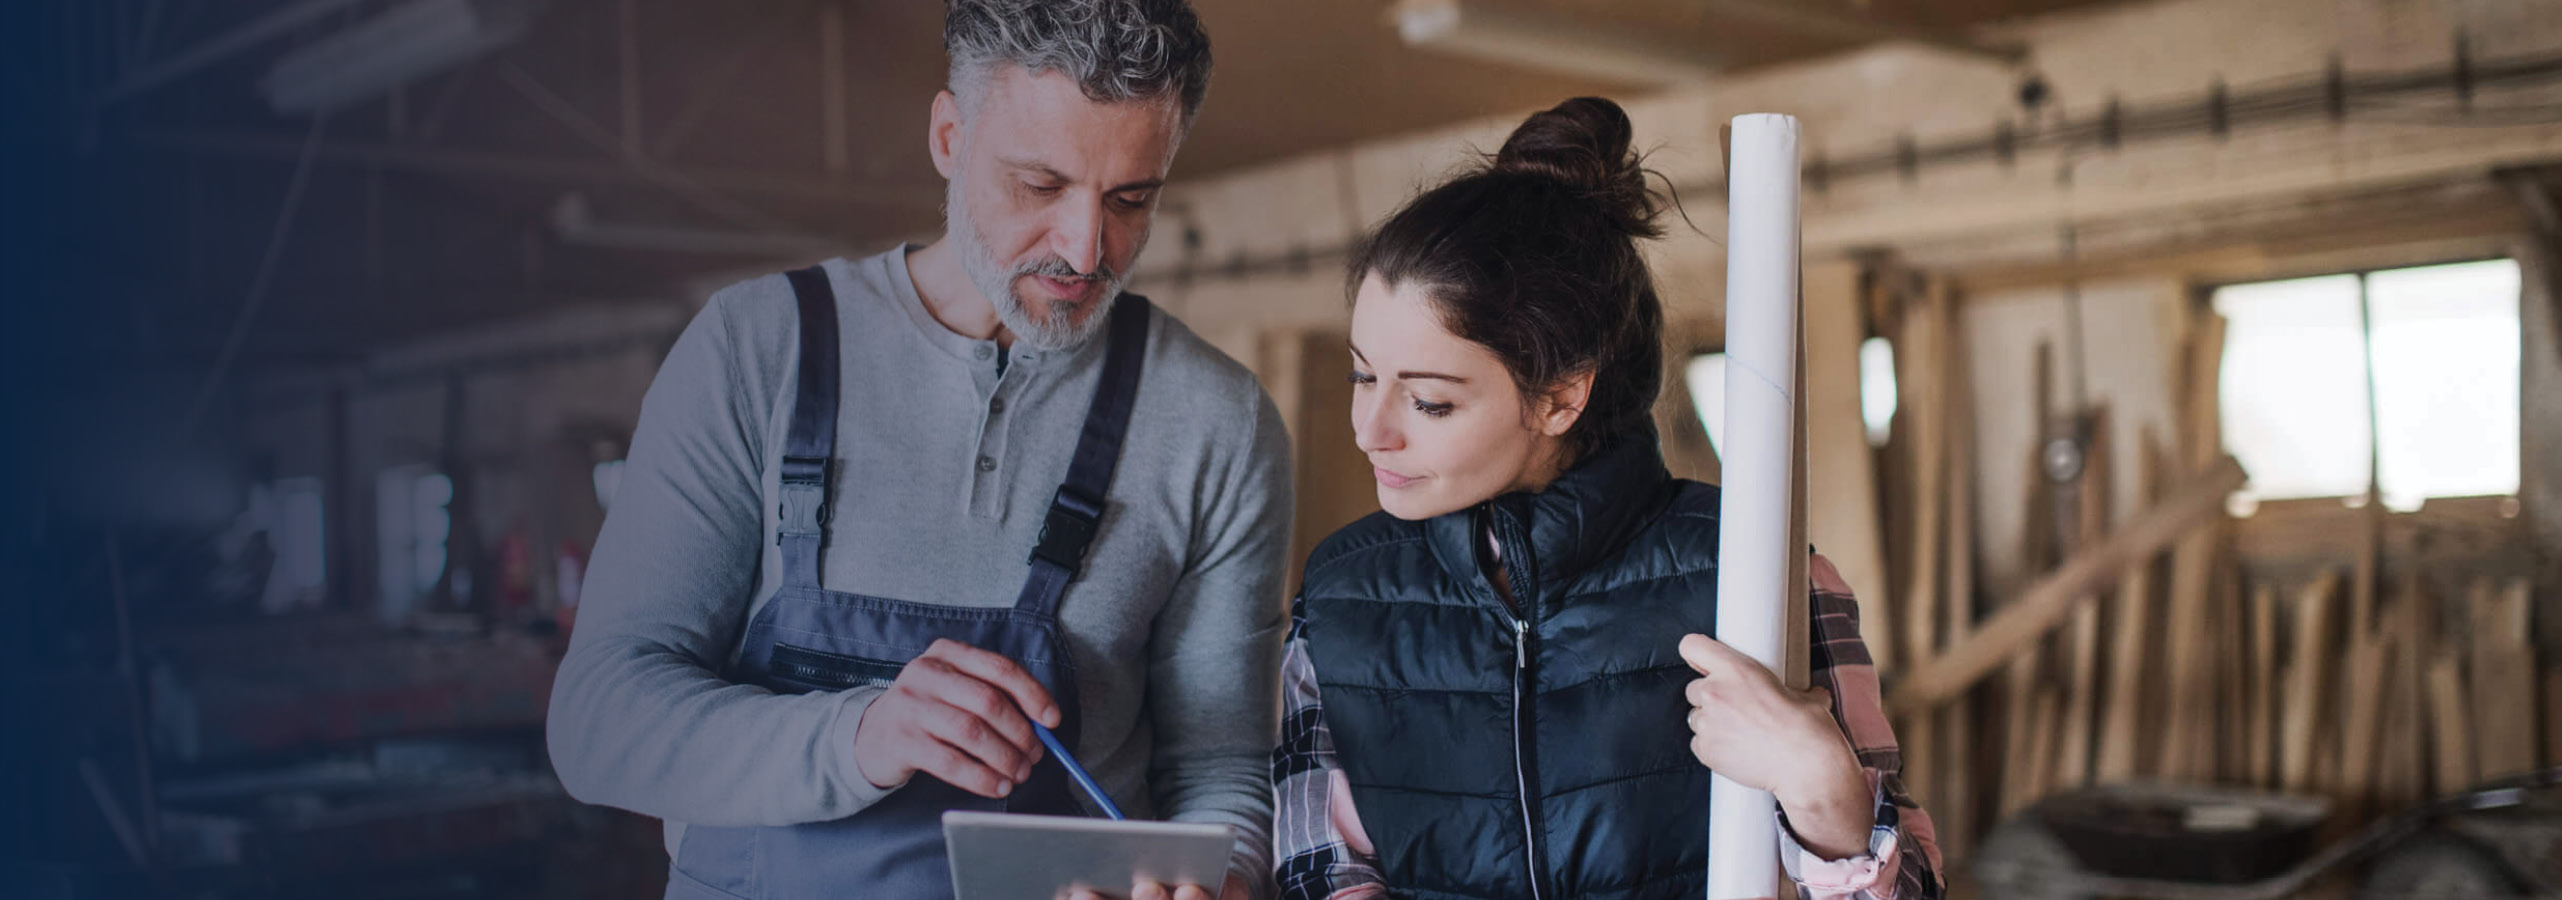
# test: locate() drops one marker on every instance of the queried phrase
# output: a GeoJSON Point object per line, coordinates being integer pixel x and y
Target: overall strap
{"type": "Point", "coordinates": [1076, 512]}
{"type": "Point", "coordinates": [809, 447]}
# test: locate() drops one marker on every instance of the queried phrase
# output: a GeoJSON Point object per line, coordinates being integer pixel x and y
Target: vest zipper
{"type": "Point", "coordinates": [1508, 544]}
{"type": "Point", "coordinates": [1521, 758]}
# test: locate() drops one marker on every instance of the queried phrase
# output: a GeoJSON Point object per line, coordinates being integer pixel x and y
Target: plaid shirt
{"type": "Point", "coordinates": [1316, 833]}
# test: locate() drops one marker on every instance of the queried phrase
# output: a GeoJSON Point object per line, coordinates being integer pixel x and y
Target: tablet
{"type": "Point", "coordinates": [1001, 856]}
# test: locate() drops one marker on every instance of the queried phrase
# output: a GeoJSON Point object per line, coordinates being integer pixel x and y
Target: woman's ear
{"type": "Point", "coordinates": [1563, 406]}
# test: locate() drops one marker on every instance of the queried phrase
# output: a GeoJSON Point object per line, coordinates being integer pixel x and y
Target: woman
{"type": "Point", "coordinates": [1500, 686]}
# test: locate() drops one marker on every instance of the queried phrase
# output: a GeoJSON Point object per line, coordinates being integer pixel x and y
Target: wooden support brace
{"type": "Point", "coordinates": [2048, 602]}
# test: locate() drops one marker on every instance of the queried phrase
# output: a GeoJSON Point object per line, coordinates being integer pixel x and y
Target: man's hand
{"type": "Point", "coordinates": [956, 713]}
{"type": "Point", "coordinates": [1149, 890]}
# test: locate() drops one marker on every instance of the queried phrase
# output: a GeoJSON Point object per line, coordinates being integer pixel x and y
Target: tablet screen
{"type": "Point", "coordinates": [1001, 856]}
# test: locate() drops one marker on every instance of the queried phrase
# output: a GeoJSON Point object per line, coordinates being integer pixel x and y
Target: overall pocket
{"type": "Point", "coordinates": [820, 670]}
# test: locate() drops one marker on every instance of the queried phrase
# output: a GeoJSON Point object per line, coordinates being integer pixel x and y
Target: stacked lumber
{"type": "Point", "coordinates": [2158, 648]}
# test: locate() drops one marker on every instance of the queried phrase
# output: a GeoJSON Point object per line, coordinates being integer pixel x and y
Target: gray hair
{"type": "Point", "coordinates": [1117, 50]}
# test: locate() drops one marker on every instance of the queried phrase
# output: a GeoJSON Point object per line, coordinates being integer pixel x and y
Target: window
{"type": "Point", "coordinates": [1877, 388]}
{"type": "Point", "coordinates": [2412, 372]}
{"type": "Point", "coordinates": [1706, 378]}
{"type": "Point", "coordinates": [411, 514]}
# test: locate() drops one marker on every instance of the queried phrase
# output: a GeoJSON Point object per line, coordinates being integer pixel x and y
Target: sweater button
{"type": "Point", "coordinates": [984, 352]}
{"type": "Point", "coordinates": [987, 464]}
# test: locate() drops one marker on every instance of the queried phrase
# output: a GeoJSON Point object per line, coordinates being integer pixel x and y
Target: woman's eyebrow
{"type": "Point", "coordinates": [1408, 375]}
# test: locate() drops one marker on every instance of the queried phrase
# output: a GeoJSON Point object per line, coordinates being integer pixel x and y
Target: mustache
{"type": "Point", "coordinates": [1055, 267]}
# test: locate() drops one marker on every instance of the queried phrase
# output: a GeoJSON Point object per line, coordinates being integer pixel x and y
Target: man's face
{"type": "Point", "coordinates": [1050, 195]}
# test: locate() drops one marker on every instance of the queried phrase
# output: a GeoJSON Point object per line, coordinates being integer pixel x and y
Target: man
{"type": "Point", "coordinates": [810, 625]}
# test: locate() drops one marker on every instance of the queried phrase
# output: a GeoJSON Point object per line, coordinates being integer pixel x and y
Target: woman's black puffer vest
{"type": "Point", "coordinates": [1543, 755]}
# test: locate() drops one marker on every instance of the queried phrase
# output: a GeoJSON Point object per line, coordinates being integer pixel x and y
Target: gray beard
{"type": "Point", "coordinates": [1061, 329]}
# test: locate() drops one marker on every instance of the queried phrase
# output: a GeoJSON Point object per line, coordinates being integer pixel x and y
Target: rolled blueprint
{"type": "Point", "coordinates": [1755, 554]}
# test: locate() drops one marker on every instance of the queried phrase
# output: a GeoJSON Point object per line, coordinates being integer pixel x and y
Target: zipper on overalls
{"type": "Point", "coordinates": [1524, 760]}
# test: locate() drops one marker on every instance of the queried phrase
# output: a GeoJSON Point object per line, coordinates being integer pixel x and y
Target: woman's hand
{"type": "Point", "coordinates": [1751, 728]}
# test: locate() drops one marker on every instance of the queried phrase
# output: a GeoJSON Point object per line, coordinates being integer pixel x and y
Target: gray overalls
{"type": "Point", "coordinates": [809, 638]}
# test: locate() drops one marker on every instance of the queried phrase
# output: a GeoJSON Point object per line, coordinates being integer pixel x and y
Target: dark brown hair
{"type": "Point", "coordinates": [1533, 255]}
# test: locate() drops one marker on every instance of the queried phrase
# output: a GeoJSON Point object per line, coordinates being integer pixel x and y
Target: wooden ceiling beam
{"type": "Point", "coordinates": [552, 169]}
{"type": "Point", "coordinates": [1818, 18]}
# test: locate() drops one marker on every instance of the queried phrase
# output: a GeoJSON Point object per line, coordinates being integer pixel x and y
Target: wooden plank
{"type": "Point", "coordinates": [2037, 546]}
{"type": "Point", "coordinates": [2233, 670]}
{"type": "Point", "coordinates": [2361, 709]}
{"type": "Point", "coordinates": [2131, 621]}
{"type": "Point", "coordinates": [2035, 777]}
{"type": "Point", "coordinates": [1922, 367]}
{"type": "Point", "coordinates": [2262, 739]}
{"type": "Point", "coordinates": [2503, 680]}
{"type": "Point", "coordinates": [2021, 751]}
{"type": "Point", "coordinates": [1957, 720]}
{"type": "Point", "coordinates": [2415, 636]}
{"type": "Point", "coordinates": [2074, 729]}
{"type": "Point", "coordinates": [2074, 724]}
{"type": "Point", "coordinates": [2399, 779]}
{"type": "Point", "coordinates": [2362, 664]}
{"type": "Point", "coordinates": [2019, 684]}
{"type": "Point", "coordinates": [2362, 579]}
{"type": "Point", "coordinates": [2185, 718]}
{"type": "Point", "coordinates": [1841, 471]}
{"type": "Point", "coordinates": [2046, 603]}
{"type": "Point", "coordinates": [2203, 437]}
{"type": "Point", "coordinates": [2308, 683]}
{"type": "Point", "coordinates": [2188, 726]}
{"type": "Point", "coordinates": [1918, 355]}
{"type": "Point", "coordinates": [2450, 731]}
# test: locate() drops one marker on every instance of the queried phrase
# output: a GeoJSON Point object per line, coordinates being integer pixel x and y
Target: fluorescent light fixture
{"type": "Point", "coordinates": [405, 43]}
{"type": "Point", "coordinates": [1541, 42]}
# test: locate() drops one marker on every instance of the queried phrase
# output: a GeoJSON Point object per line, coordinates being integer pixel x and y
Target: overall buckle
{"type": "Point", "coordinates": [1068, 529]}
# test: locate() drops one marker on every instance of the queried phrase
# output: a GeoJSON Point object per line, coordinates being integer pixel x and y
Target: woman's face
{"type": "Point", "coordinates": [1439, 418]}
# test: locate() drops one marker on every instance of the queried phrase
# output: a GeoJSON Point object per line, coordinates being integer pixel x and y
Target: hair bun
{"type": "Point", "coordinates": [1585, 143]}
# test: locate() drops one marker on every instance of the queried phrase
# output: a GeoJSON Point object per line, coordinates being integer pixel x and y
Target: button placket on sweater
{"type": "Point", "coordinates": [988, 470]}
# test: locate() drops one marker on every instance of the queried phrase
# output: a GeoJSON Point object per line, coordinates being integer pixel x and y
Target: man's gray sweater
{"type": "Point", "coordinates": [944, 469]}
